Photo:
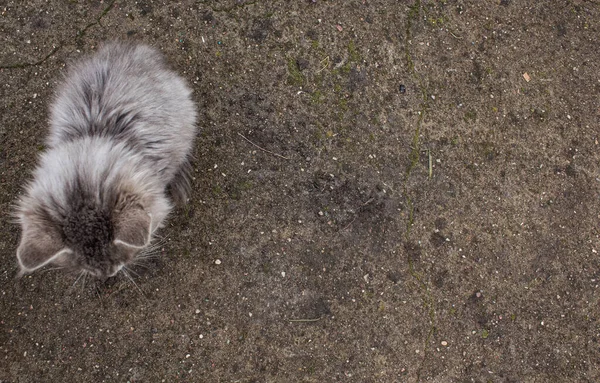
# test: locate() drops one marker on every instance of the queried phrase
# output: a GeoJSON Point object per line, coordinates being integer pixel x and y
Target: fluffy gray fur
{"type": "Point", "coordinates": [121, 131]}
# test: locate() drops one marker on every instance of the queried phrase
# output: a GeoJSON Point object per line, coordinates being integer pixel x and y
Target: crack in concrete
{"type": "Point", "coordinates": [26, 65]}
{"type": "Point", "coordinates": [80, 33]}
{"type": "Point", "coordinates": [413, 14]}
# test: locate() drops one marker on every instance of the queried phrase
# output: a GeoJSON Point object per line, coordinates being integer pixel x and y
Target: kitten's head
{"type": "Point", "coordinates": [89, 208]}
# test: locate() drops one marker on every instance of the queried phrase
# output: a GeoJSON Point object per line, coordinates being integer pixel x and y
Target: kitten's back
{"type": "Point", "coordinates": [126, 92]}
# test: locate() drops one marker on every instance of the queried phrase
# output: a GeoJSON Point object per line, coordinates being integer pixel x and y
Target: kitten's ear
{"type": "Point", "coordinates": [132, 227]}
{"type": "Point", "coordinates": [37, 249]}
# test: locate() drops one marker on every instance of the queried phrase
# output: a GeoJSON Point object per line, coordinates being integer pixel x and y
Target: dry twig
{"type": "Point", "coordinates": [263, 149]}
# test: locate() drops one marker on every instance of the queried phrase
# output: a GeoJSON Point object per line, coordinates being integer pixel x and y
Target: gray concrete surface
{"type": "Point", "coordinates": [448, 232]}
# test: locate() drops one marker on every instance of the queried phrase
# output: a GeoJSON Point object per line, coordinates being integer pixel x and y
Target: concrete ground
{"type": "Point", "coordinates": [423, 207]}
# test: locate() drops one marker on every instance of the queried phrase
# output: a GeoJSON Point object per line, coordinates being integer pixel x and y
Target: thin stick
{"type": "Point", "coordinates": [368, 202]}
{"type": "Point", "coordinates": [325, 61]}
{"type": "Point", "coordinates": [430, 163]}
{"type": "Point", "coordinates": [305, 320]}
{"type": "Point", "coordinates": [354, 219]}
{"type": "Point", "coordinates": [351, 222]}
{"type": "Point", "coordinates": [263, 149]}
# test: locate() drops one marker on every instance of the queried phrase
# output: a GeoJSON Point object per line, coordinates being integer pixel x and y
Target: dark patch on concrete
{"type": "Point", "coordinates": [441, 223]}
{"type": "Point", "coordinates": [394, 276]}
{"type": "Point", "coordinates": [358, 79]}
{"type": "Point", "coordinates": [145, 7]}
{"type": "Point", "coordinates": [261, 29]}
{"type": "Point", "coordinates": [437, 239]}
{"type": "Point", "coordinates": [413, 251]}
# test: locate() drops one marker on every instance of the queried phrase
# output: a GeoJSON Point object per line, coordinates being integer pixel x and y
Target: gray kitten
{"type": "Point", "coordinates": [121, 130]}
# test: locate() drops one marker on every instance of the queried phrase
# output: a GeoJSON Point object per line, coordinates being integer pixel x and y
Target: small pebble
{"type": "Point", "coordinates": [283, 274]}
{"type": "Point", "coordinates": [402, 88]}
{"type": "Point", "coordinates": [197, 311]}
{"type": "Point", "coordinates": [444, 343]}
{"type": "Point", "coordinates": [218, 262]}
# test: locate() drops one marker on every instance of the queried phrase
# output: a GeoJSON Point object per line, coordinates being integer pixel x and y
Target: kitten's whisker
{"type": "Point", "coordinates": [78, 278]}
{"type": "Point", "coordinates": [85, 274]}
{"type": "Point", "coordinates": [161, 241]}
{"type": "Point", "coordinates": [161, 237]}
{"type": "Point", "coordinates": [155, 246]}
{"type": "Point", "coordinates": [131, 271]}
{"type": "Point", "coordinates": [150, 255]}
{"type": "Point", "coordinates": [151, 250]}
{"type": "Point", "coordinates": [132, 281]}
{"type": "Point", "coordinates": [134, 263]}
{"type": "Point", "coordinates": [98, 293]}
{"type": "Point", "coordinates": [146, 262]}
